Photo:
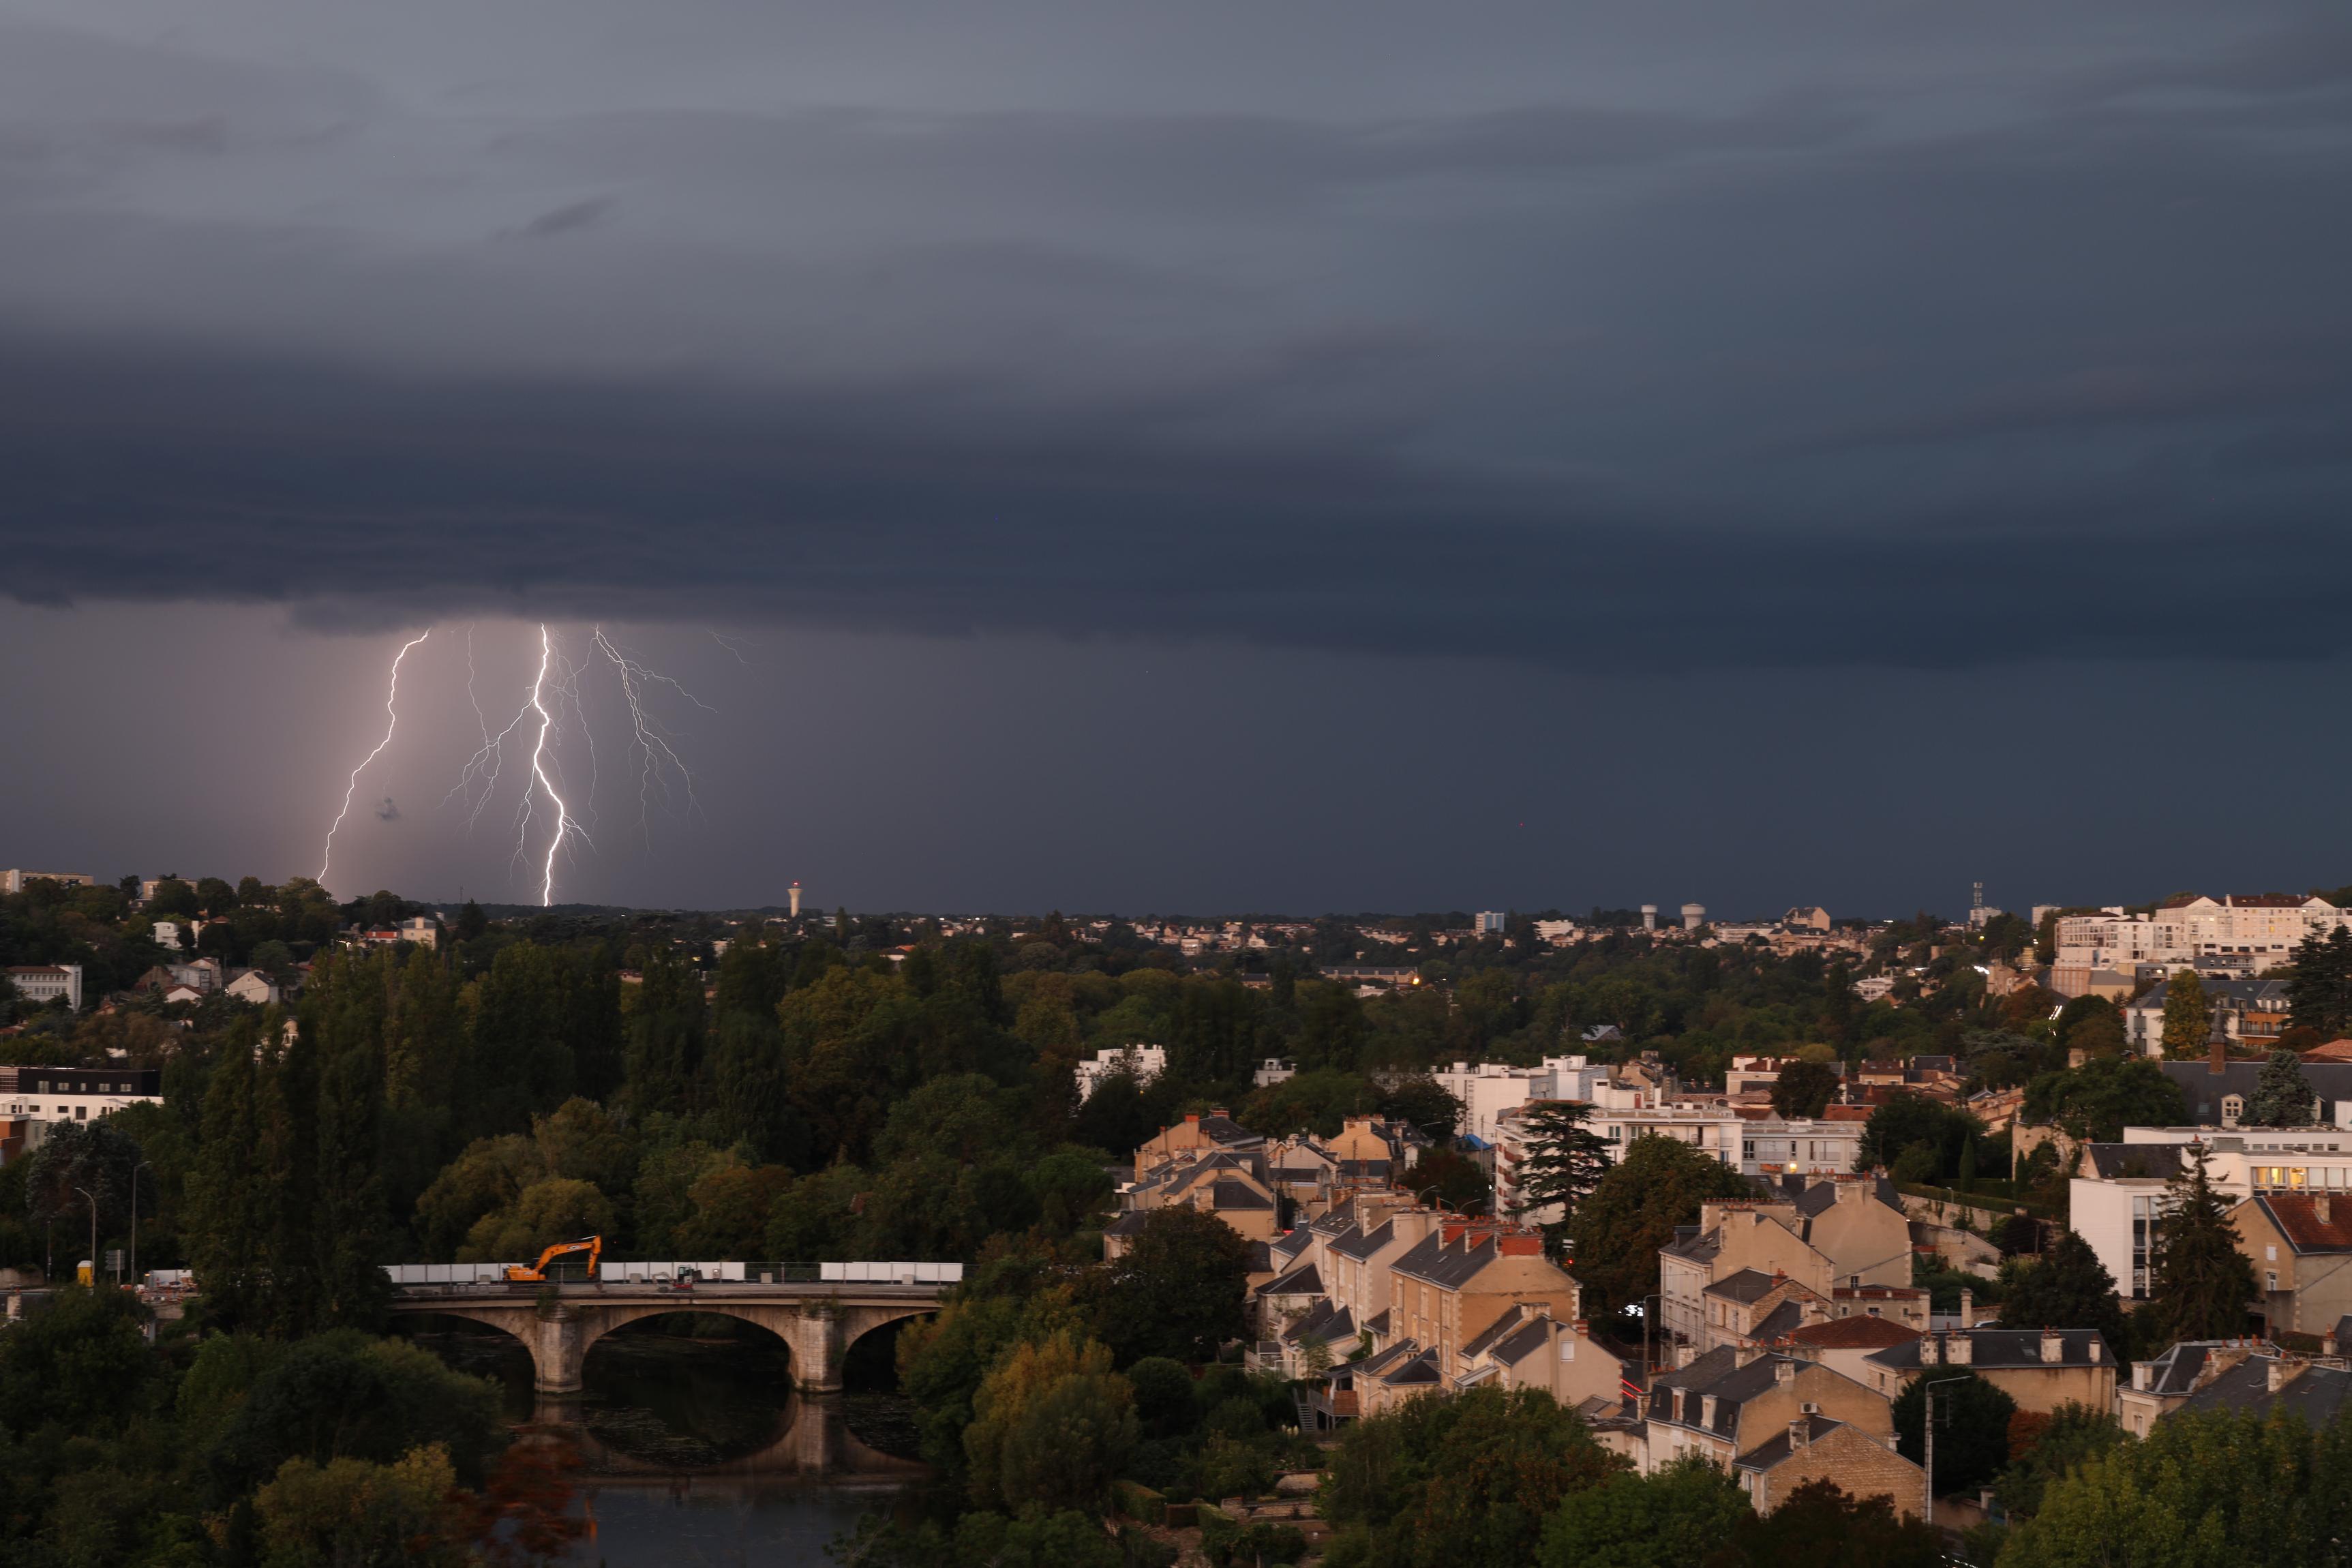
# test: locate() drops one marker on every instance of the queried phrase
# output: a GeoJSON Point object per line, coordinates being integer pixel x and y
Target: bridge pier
{"type": "Point", "coordinates": [558, 1341]}
{"type": "Point", "coordinates": [813, 1332]}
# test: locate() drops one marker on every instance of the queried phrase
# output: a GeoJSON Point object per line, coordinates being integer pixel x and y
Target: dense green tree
{"type": "Point", "coordinates": [1466, 1481]}
{"type": "Point", "coordinates": [1972, 1420]}
{"type": "Point", "coordinates": [79, 1366]}
{"type": "Point", "coordinates": [1312, 1101]}
{"type": "Point", "coordinates": [227, 1226]}
{"type": "Point", "coordinates": [1820, 1523]}
{"type": "Point", "coordinates": [1616, 1233]}
{"type": "Point", "coordinates": [1421, 1102]}
{"type": "Point", "coordinates": [1565, 1161]}
{"type": "Point", "coordinates": [2093, 1026]}
{"type": "Point", "coordinates": [2200, 1283]}
{"type": "Point", "coordinates": [1177, 1290]}
{"type": "Point", "coordinates": [1052, 1425]}
{"type": "Point", "coordinates": [2094, 1102]}
{"type": "Point", "coordinates": [2188, 1016]}
{"type": "Point", "coordinates": [342, 1394]}
{"type": "Point", "coordinates": [1804, 1089]}
{"type": "Point", "coordinates": [1680, 1514]}
{"type": "Point", "coordinates": [2067, 1288]}
{"type": "Point", "coordinates": [2071, 1435]}
{"type": "Point", "coordinates": [1912, 1121]}
{"type": "Point", "coordinates": [2204, 1487]}
{"type": "Point", "coordinates": [521, 1058]}
{"type": "Point", "coordinates": [2283, 1098]}
{"type": "Point", "coordinates": [2319, 988]}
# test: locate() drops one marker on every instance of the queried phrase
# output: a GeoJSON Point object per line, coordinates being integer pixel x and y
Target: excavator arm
{"type": "Point", "coordinates": [593, 1246]}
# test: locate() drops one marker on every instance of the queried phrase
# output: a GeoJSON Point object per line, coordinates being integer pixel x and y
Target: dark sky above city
{"type": "Point", "coordinates": [1325, 456]}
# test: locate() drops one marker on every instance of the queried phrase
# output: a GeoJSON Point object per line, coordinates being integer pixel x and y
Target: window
{"type": "Point", "coordinates": [1568, 1347]}
{"type": "Point", "coordinates": [2270, 1254]}
{"type": "Point", "coordinates": [2233, 1108]}
{"type": "Point", "coordinates": [2270, 1278]}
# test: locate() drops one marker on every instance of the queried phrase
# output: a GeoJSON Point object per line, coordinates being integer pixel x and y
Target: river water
{"type": "Point", "coordinates": [695, 1450]}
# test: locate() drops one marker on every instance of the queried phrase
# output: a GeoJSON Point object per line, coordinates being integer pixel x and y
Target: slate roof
{"type": "Point", "coordinates": [1448, 1267]}
{"type": "Point", "coordinates": [1749, 1285]}
{"type": "Point", "coordinates": [1230, 1194]}
{"type": "Point", "coordinates": [1291, 1243]}
{"type": "Point", "coordinates": [1854, 1333]}
{"type": "Point", "coordinates": [1127, 1224]}
{"type": "Point", "coordinates": [1300, 1282]}
{"type": "Point", "coordinates": [1783, 1319]}
{"type": "Point", "coordinates": [1527, 1340]}
{"type": "Point", "coordinates": [1766, 1455]}
{"type": "Point", "coordinates": [2176, 1369]}
{"type": "Point", "coordinates": [2316, 1391]}
{"type": "Point", "coordinates": [1516, 1316]}
{"type": "Point", "coordinates": [1324, 1321]}
{"type": "Point", "coordinates": [1821, 1196]}
{"type": "Point", "coordinates": [1261, 1258]}
{"type": "Point", "coordinates": [1684, 1404]}
{"type": "Point", "coordinates": [1689, 1243]}
{"type": "Point", "coordinates": [2114, 1161]}
{"type": "Point", "coordinates": [1360, 1247]}
{"type": "Point", "coordinates": [2299, 1220]}
{"type": "Point", "coordinates": [2204, 1088]}
{"type": "Point", "coordinates": [2010, 1348]}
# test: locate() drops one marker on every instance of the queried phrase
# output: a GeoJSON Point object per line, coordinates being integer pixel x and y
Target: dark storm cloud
{"type": "Point", "coordinates": [1912, 352]}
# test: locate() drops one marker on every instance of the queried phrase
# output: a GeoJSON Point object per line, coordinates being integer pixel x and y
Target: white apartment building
{"type": "Point", "coordinates": [2241, 933]}
{"type": "Point", "coordinates": [1486, 1089]}
{"type": "Point", "coordinates": [1145, 1062]}
{"type": "Point", "coordinates": [2118, 1202]}
{"type": "Point", "coordinates": [42, 983]}
{"type": "Point", "coordinates": [13, 881]}
{"type": "Point", "coordinates": [76, 1094]}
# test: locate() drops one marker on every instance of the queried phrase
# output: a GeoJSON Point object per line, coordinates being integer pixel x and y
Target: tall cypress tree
{"type": "Point", "coordinates": [285, 1107]}
{"type": "Point", "coordinates": [348, 1217]}
{"type": "Point", "coordinates": [2319, 992]}
{"type": "Point", "coordinates": [2201, 1284]}
{"type": "Point", "coordinates": [665, 1036]}
{"type": "Point", "coordinates": [2281, 1096]}
{"type": "Point", "coordinates": [1565, 1161]}
{"type": "Point", "coordinates": [2187, 1017]}
{"type": "Point", "coordinates": [225, 1226]}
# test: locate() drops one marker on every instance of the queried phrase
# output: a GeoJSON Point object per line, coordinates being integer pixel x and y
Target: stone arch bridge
{"type": "Point", "coordinates": [819, 1321]}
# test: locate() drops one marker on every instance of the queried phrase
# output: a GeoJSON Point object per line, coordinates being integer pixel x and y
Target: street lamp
{"type": "Point", "coordinates": [1928, 1430]}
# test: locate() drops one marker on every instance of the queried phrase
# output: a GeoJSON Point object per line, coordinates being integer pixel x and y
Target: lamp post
{"type": "Point", "coordinates": [134, 1222]}
{"type": "Point", "coordinates": [1928, 1430]}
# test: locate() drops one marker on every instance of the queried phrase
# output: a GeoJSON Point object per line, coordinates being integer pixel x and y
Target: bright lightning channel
{"type": "Point", "coordinates": [391, 720]}
{"type": "Point", "coordinates": [564, 826]}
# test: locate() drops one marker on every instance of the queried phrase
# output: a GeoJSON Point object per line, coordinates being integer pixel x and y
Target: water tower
{"type": "Point", "coordinates": [796, 898]}
{"type": "Point", "coordinates": [1649, 917]}
{"type": "Point", "coordinates": [1693, 916]}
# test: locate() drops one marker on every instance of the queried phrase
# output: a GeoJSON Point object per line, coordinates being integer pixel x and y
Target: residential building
{"type": "Point", "coordinates": [1807, 917]}
{"type": "Point", "coordinates": [42, 983]}
{"type": "Point", "coordinates": [253, 985]}
{"type": "Point", "coordinates": [2300, 1245]}
{"type": "Point", "coordinates": [2247, 1014]}
{"type": "Point", "coordinates": [1816, 1447]}
{"type": "Point", "coordinates": [1843, 1344]}
{"type": "Point", "coordinates": [76, 1094]}
{"type": "Point", "coordinates": [2158, 1387]}
{"type": "Point", "coordinates": [13, 881]}
{"type": "Point", "coordinates": [2218, 1090]}
{"type": "Point", "coordinates": [2042, 1369]}
{"type": "Point", "coordinates": [1727, 1403]}
{"type": "Point", "coordinates": [1450, 1288]}
{"type": "Point", "coordinates": [2117, 1203]}
{"type": "Point", "coordinates": [2263, 1380]}
{"type": "Point", "coordinates": [2243, 934]}
{"type": "Point", "coordinates": [1839, 1240]}
{"type": "Point", "coordinates": [1143, 1063]}
{"type": "Point", "coordinates": [1488, 923]}
{"type": "Point", "coordinates": [1271, 1071]}
{"type": "Point", "coordinates": [1232, 1185]}
{"type": "Point", "coordinates": [1486, 1089]}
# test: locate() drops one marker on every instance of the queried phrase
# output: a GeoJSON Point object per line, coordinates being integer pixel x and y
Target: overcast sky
{"type": "Point", "coordinates": [1319, 455]}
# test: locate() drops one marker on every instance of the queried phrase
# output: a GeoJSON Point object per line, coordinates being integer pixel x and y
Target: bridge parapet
{"type": "Point", "coordinates": [734, 1272]}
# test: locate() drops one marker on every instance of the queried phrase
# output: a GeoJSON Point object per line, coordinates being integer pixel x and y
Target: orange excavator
{"type": "Point", "coordinates": [591, 1247]}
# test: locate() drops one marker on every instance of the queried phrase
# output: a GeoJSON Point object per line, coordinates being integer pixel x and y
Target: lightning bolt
{"type": "Point", "coordinates": [656, 755]}
{"type": "Point", "coordinates": [564, 825]}
{"type": "Point", "coordinates": [391, 721]}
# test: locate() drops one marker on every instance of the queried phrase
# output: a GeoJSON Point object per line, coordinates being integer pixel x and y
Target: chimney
{"type": "Point", "coordinates": [1193, 1116]}
{"type": "Point", "coordinates": [2280, 1373]}
{"type": "Point", "coordinates": [2321, 1207]}
{"type": "Point", "coordinates": [2327, 1343]}
{"type": "Point", "coordinates": [1800, 1432]}
{"type": "Point", "coordinates": [1784, 1371]}
{"type": "Point", "coordinates": [1684, 1354]}
{"type": "Point", "coordinates": [2218, 1062]}
{"type": "Point", "coordinates": [1931, 1350]}
{"type": "Point", "coordinates": [1960, 1350]}
{"type": "Point", "coordinates": [1519, 1246]}
{"type": "Point", "coordinates": [2143, 1375]}
{"type": "Point", "coordinates": [1968, 1308]}
{"type": "Point", "coordinates": [2053, 1347]}
{"type": "Point", "coordinates": [2098, 1348]}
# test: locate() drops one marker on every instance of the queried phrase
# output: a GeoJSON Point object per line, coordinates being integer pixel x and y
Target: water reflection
{"type": "Point", "coordinates": [707, 1523]}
